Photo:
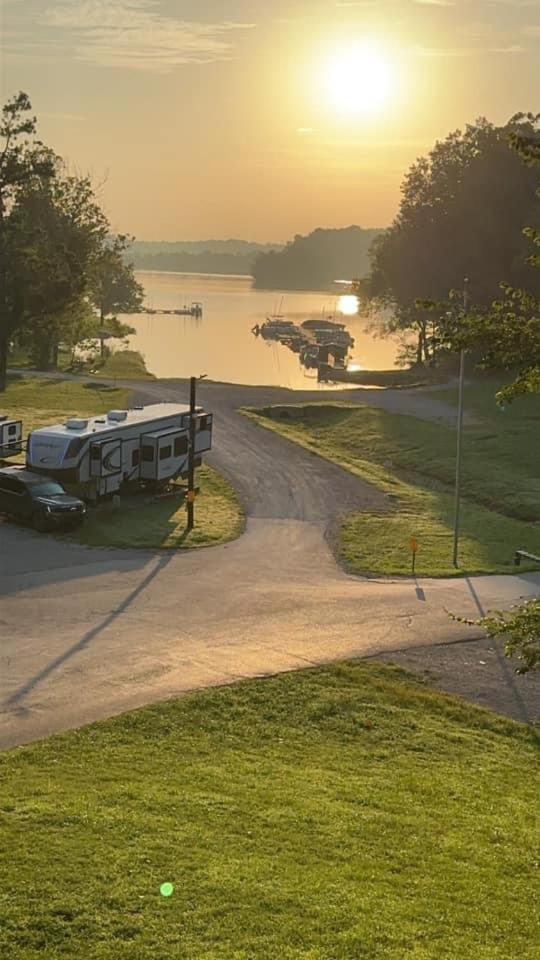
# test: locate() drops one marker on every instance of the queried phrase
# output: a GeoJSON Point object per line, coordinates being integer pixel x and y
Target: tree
{"type": "Point", "coordinates": [521, 627]}
{"type": "Point", "coordinates": [462, 214]}
{"type": "Point", "coordinates": [506, 335]}
{"type": "Point", "coordinates": [114, 288]}
{"type": "Point", "coordinates": [56, 231]}
{"type": "Point", "coordinates": [314, 262]}
{"type": "Point", "coordinates": [22, 159]}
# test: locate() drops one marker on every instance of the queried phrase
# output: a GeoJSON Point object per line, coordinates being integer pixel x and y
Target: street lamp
{"type": "Point", "coordinates": [457, 502]}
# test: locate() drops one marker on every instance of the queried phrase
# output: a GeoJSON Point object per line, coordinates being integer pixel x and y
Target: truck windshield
{"type": "Point", "coordinates": [49, 488]}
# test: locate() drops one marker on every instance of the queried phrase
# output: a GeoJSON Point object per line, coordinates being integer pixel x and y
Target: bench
{"type": "Point", "coordinates": [524, 555]}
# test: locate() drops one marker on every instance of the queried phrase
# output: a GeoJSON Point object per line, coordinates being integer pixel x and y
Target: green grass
{"type": "Point", "coordinates": [141, 523]}
{"type": "Point", "coordinates": [332, 814]}
{"type": "Point", "coordinates": [138, 523]}
{"type": "Point", "coordinates": [412, 461]}
{"type": "Point", "coordinates": [39, 403]}
{"type": "Point", "coordinates": [124, 365]}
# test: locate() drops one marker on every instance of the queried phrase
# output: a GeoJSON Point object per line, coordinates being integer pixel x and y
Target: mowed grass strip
{"type": "Point", "coordinates": [413, 462]}
{"type": "Point", "coordinates": [42, 402]}
{"type": "Point", "coordinates": [161, 523]}
{"type": "Point", "coordinates": [331, 814]}
{"type": "Point", "coordinates": [139, 522]}
{"type": "Point", "coordinates": [124, 365]}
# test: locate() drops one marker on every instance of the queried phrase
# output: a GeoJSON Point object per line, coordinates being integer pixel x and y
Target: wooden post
{"type": "Point", "coordinates": [191, 455]}
{"type": "Point", "coordinates": [414, 548]}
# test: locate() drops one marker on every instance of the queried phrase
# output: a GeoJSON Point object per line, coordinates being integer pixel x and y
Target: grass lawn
{"type": "Point", "coordinates": [218, 515]}
{"type": "Point", "coordinates": [140, 523]}
{"type": "Point", "coordinates": [124, 365]}
{"type": "Point", "coordinates": [413, 462]}
{"type": "Point", "coordinates": [39, 403]}
{"type": "Point", "coordinates": [332, 814]}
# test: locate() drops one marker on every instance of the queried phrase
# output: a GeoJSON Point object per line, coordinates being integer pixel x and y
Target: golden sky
{"type": "Point", "coordinates": [262, 118]}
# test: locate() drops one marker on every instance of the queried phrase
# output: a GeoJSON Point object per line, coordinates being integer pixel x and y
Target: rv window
{"type": "Point", "coordinates": [165, 453]}
{"type": "Point", "coordinates": [180, 446]}
{"type": "Point", "coordinates": [95, 452]}
{"type": "Point", "coordinates": [203, 423]}
{"type": "Point", "coordinates": [147, 453]}
{"type": "Point", "coordinates": [75, 446]}
{"type": "Point", "coordinates": [12, 429]}
{"type": "Point", "coordinates": [135, 457]}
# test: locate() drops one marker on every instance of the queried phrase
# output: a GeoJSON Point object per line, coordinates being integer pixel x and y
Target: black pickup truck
{"type": "Point", "coordinates": [37, 500]}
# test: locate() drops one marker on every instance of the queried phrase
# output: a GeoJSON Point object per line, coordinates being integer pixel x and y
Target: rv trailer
{"type": "Point", "coordinates": [95, 456]}
{"type": "Point", "coordinates": [10, 437]}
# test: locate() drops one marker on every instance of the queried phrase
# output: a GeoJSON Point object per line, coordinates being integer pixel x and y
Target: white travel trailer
{"type": "Point", "coordinates": [95, 456]}
{"type": "Point", "coordinates": [10, 437]}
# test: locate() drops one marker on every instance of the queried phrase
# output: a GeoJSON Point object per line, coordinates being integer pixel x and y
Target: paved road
{"type": "Point", "coordinates": [90, 633]}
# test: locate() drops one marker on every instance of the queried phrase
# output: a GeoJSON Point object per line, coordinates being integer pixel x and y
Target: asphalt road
{"type": "Point", "coordinates": [87, 633]}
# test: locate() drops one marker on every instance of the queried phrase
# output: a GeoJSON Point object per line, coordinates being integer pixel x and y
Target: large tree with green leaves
{"type": "Point", "coordinates": [114, 288]}
{"type": "Point", "coordinates": [56, 231]}
{"type": "Point", "coordinates": [463, 213]}
{"type": "Point", "coordinates": [505, 336]}
{"type": "Point", "coordinates": [62, 271]}
{"type": "Point", "coordinates": [23, 160]}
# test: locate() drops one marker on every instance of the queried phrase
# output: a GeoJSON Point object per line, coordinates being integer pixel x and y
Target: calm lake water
{"type": "Point", "coordinates": [221, 344]}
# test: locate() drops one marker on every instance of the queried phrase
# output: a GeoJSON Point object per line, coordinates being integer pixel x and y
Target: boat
{"type": "Point", "coordinates": [278, 328]}
{"type": "Point", "coordinates": [339, 338]}
{"type": "Point", "coordinates": [320, 323]}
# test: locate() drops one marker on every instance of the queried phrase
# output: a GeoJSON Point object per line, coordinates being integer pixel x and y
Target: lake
{"type": "Point", "coordinates": [221, 344]}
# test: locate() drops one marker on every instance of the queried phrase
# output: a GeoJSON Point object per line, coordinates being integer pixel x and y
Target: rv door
{"type": "Point", "coordinates": [105, 458]}
{"type": "Point", "coordinates": [203, 436]}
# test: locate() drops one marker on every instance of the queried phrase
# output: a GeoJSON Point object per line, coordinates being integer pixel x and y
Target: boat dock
{"type": "Point", "coordinates": [194, 310]}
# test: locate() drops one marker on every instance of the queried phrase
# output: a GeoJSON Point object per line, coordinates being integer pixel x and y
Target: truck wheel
{"type": "Point", "coordinates": [39, 522]}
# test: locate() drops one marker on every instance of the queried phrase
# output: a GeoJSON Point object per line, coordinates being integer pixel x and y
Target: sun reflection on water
{"type": "Point", "coordinates": [348, 304]}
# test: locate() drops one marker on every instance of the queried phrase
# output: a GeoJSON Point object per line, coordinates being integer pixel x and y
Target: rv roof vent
{"type": "Point", "coordinates": [75, 423]}
{"type": "Point", "coordinates": [2, 417]}
{"type": "Point", "coordinates": [117, 415]}
{"type": "Point", "coordinates": [100, 420]}
{"type": "Point", "coordinates": [138, 406]}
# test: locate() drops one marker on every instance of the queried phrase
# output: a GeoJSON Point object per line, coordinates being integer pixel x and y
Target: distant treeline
{"type": "Point", "coordinates": [198, 256]}
{"type": "Point", "coordinates": [313, 262]}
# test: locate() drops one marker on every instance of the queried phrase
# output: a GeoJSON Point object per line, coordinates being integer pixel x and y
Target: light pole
{"type": "Point", "coordinates": [457, 501]}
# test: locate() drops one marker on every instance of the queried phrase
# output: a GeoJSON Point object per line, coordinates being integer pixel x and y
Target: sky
{"type": "Point", "coordinates": [261, 119]}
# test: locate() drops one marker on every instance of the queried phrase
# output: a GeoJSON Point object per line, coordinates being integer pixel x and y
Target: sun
{"type": "Point", "coordinates": [358, 80]}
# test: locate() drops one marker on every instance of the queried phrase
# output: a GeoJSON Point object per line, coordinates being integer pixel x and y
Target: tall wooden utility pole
{"type": "Point", "coordinates": [191, 455]}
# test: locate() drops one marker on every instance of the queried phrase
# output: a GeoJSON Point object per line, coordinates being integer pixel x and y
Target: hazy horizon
{"type": "Point", "coordinates": [252, 120]}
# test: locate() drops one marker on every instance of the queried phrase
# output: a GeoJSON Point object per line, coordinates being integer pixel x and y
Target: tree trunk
{"type": "Point", "coordinates": [420, 348]}
{"type": "Point", "coordinates": [43, 354]}
{"type": "Point", "coordinates": [3, 361]}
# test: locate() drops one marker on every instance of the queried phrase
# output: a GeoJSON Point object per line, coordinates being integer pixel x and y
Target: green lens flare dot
{"type": "Point", "coordinates": [166, 889]}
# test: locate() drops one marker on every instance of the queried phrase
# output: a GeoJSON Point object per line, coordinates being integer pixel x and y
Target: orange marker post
{"type": "Point", "coordinates": [414, 549]}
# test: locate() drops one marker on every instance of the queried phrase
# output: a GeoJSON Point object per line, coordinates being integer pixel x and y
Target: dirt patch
{"type": "Point", "coordinates": [476, 670]}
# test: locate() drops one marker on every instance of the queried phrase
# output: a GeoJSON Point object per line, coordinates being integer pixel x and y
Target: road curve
{"type": "Point", "coordinates": [87, 633]}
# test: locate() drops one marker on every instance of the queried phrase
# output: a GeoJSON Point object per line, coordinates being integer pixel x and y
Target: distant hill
{"type": "Point", "coordinates": [313, 262]}
{"type": "Point", "coordinates": [198, 256]}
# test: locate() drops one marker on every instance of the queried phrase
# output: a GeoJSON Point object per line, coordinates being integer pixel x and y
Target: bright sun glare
{"type": "Point", "coordinates": [358, 79]}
